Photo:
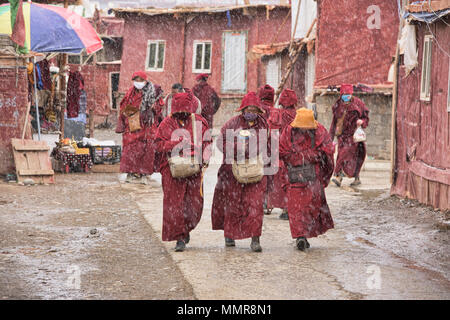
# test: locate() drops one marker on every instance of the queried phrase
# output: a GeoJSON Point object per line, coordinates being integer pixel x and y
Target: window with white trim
{"type": "Point", "coordinates": [425, 83]}
{"type": "Point", "coordinates": [201, 60]}
{"type": "Point", "coordinates": [155, 55]}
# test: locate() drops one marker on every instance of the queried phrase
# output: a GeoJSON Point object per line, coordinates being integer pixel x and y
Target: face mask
{"type": "Point", "coordinates": [346, 97]}
{"type": "Point", "coordinates": [250, 116]}
{"type": "Point", "coordinates": [139, 85]}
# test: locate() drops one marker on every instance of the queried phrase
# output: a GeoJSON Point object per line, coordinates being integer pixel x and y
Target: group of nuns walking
{"type": "Point", "coordinates": [272, 158]}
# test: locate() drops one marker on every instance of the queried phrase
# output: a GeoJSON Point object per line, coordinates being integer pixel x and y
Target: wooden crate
{"type": "Point", "coordinates": [32, 161]}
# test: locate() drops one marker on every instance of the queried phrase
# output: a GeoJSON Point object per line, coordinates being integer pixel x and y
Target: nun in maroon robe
{"type": "Point", "coordinates": [208, 97]}
{"type": "Point", "coordinates": [347, 116]}
{"type": "Point", "coordinates": [138, 148]}
{"type": "Point", "coordinates": [279, 119]}
{"type": "Point", "coordinates": [266, 95]}
{"type": "Point", "coordinates": [305, 142]}
{"type": "Point", "coordinates": [183, 197]}
{"type": "Point", "coordinates": [238, 208]}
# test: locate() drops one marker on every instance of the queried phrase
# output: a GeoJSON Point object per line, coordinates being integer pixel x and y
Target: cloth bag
{"type": "Point", "coordinates": [359, 135]}
{"type": "Point", "coordinates": [251, 171]}
{"type": "Point", "coordinates": [301, 174]}
{"type": "Point", "coordinates": [184, 167]}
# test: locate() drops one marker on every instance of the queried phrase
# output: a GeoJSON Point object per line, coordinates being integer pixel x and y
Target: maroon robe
{"type": "Point", "coordinates": [237, 208]}
{"type": "Point", "coordinates": [138, 148]}
{"type": "Point", "coordinates": [351, 155]}
{"type": "Point", "coordinates": [183, 203]}
{"type": "Point", "coordinates": [74, 86]}
{"type": "Point", "coordinates": [267, 105]}
{"type": "Point", "coordinates": [309, 215]}
{"type": "Point", "coordinates": [209, 99]}
{"type": "Point", "coordinates": [276, 195]}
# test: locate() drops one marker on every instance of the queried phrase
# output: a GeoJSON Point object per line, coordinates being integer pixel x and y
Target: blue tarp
{"type": "Point", "coordinates": [428, 17]}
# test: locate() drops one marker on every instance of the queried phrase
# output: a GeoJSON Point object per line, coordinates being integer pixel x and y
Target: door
{"type": "Point", "coordinates": [114, 85]}
{"type": "Point", "coordinates": [234, 62]}
{"type": "Point", "coordinates": [273, 72]}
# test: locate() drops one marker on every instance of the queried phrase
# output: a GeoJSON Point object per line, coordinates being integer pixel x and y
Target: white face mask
{"type": "Point", "coordinates": [139, 85]}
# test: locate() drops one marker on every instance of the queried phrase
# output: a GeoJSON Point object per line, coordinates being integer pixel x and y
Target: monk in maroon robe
{"type": "Point", "coordinates": [307, 150]}
{"type": "Point", "coordinates": [139, 111]}
{"type": "Point", "coordinates": [349, 113]}
{"type": "Point", "coordinates": [237, 207]}
{"type": "Point", "coordinates": [279, 119]}
{"type": "Point", "coordinates": [208, 97]}
{"type": "Point", "coordinates": [183, 197]}
{"type": "Point", "coordinates": [266, 95]}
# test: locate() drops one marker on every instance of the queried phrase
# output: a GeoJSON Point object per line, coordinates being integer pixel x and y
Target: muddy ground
{"type": "Point", "coordinates": [86, 225]}
{"type": "Point", "coordinates": [89, 237]}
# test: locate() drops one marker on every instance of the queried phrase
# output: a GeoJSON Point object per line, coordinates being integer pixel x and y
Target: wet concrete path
{"type": "Point", "coordinates": [376, 251]}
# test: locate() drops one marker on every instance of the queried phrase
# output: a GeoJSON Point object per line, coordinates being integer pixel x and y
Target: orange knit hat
{"type": "Point", "coordinates": [304, 119]}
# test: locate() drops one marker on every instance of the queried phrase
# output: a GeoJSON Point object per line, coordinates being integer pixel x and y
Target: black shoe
{"type": "Point", "coordinates": [307, 244]}
{"type": "Point", "coordinates": [180, 246]}
{"type": "Point", "coordinates": [284, 216]}
{"type": "Point", "coordinates": [188, 238]}
{"type": "Point", "coordinates": [301, 243]}
{"type": "Point", "coordinates": [255, 246]}
{"type": "Point", "coordinates": [229, 242]}
{"type": "Point", "coordinates": [356, 182]}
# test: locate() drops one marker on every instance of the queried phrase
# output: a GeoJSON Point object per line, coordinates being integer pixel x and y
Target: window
{"type": "Point", "coordinates": [80, 58]}
{"type": "Point", "coordinates": [425, 90]}
{"type": "Point", "coordinates": [201, 61]}
{"type": "Point", "coordinates": [155, 55]}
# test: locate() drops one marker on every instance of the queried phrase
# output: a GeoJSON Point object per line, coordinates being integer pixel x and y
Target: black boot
{"type": "Point", "coordinates": [284, 215]}
{"type": "Point", "coordinates": [301, 243]}
{"type": "Point", "coordinates": [188, 238]}
{"type": "Point", "coordinates": [338, 179]}
{"type": "Point", "coordinates": [229, 242]}
{"type": "Point", "coordinates": [356, 182]}
{"type": "Point", "coordinates": [255, 246]}
{"type": "Point", "coordinates": [180, 246]}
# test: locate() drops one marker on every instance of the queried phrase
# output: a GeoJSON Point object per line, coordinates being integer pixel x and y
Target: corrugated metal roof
{"type": "Point", "coordinates": [180, 10]}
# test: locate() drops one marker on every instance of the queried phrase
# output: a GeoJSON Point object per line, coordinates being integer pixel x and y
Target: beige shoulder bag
{"type": "Point", "coordinates": [183, 167]}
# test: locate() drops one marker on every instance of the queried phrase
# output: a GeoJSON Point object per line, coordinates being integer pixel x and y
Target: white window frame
{"type": "Point", "coordinates": [157, 42]}
{"type": "Point", "coordinates": [194, 56]}
{"type": "Point", "coordinates": [427, 58]}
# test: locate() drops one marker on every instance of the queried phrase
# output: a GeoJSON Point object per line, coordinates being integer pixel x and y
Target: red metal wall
{"type": "Point", "coordinates": [422, 165]}
{"type": "Point", "coordinates": [13, 106]}
{"type": "Point", "coordinates": [347, 51]}
{"type": "Point", "coordinates": [139, 29]}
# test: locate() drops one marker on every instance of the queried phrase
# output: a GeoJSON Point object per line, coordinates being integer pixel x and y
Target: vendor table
{"type": "Point", "coordinates": [70, 160]}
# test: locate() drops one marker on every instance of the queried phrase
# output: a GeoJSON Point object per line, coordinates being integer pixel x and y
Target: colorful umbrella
{"type": "Point", "coordinates": [50, 28]}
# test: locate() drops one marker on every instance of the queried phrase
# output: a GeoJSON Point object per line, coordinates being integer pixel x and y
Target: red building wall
{"type": "Point", "coordinates": [13, 108]}
{"type": "Point", "coordinates": [422, 167]}
{"type": "Point", "coordinates": [98, 85]}
{"type": "Point", "coordinates": [139, 29]}
{"type": "Point", "coordinates": [347, 51]}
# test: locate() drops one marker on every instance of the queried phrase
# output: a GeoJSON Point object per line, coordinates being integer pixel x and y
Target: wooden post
{"type": "Point", "coordinates": [91, 123]}
{"type": "Point", "coordinates": [62, 87]}
{"type": "Point", "coordinates": [183, 55]}
{"type": "Point", "coordinates": [292, 62]}
{"type": "Point", "coordinates": [394, 104]}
